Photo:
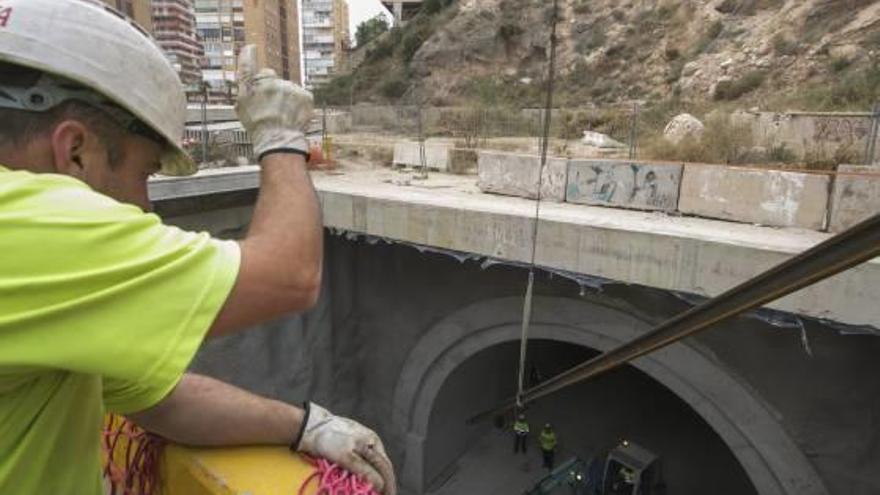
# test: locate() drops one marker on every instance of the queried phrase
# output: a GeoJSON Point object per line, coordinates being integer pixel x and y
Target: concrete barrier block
{"type": "Point", "coordinates": [765, 197]}
{"type": "Point", "coordinates": [856, 196]}
{"type": "Point", "coordinates": [408, 154]}
{"type": "Point", "coordinates": [517, 175]}
{"type": "Point", "coordinates": [641, 186]}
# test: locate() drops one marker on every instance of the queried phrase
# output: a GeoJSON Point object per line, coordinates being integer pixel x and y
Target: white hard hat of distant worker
{"type": "Point", "coordinates": [114, 64]}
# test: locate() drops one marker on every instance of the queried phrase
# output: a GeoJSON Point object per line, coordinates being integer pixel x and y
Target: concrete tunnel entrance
{"type": "Point", "coordinates": [589, 418]}
{"type": "Point", "coordinates": [460, 366]}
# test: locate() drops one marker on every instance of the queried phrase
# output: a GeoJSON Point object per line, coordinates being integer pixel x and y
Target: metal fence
{"type": "Point", "coordinates": [815, 140]}
{"type": "Point", "coordinates": [219, 144]}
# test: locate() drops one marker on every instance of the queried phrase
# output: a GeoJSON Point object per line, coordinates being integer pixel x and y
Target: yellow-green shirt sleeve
{"type": "Point", "coordinates": [93, 286]}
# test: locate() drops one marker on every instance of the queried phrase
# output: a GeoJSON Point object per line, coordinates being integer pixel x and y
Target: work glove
{"type": "Point", "coordinates": [348, 444]}
{"type": "Point", "coordinates": [274, 112]}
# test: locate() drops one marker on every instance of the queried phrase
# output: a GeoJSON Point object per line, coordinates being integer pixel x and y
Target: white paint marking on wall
{"type": "Point", "coordinates": [784, 189]}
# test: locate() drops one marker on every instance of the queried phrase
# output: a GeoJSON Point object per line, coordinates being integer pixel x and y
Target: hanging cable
{"type": "Point", "coordinates": [545, 142]}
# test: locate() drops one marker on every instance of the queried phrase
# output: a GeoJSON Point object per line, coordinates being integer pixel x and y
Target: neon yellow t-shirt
{"type": "Point", "coordinates": [101, 307]}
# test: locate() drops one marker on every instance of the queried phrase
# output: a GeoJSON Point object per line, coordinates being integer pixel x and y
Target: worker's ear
{"type": "Point", "coordinates": [74, 148]}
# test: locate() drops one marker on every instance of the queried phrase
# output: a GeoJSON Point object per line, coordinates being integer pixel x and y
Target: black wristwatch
{"type": "Point", "coordinates": [294, 446]}
{"type": "Point", "coordinates": [294, 151]}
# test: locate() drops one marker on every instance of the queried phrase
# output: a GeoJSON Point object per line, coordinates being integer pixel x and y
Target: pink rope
{"type": "Point", "coordinates": [335, 480]}
{"type": "Point", "coordinates": [139, 473]}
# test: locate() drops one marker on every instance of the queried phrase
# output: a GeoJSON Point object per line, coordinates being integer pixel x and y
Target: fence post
{"type": "Point", "coordinates": [634, 132]}
{"type": "Point", "coordinates": [204, 122]}
{"type": "Point", "coordinates": [423, 159]}
{"type": "Point", "coordinates": [871, 146]}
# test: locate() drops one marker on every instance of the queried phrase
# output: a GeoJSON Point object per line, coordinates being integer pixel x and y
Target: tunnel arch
{"type": "Point", "coordinates": [749, 426]}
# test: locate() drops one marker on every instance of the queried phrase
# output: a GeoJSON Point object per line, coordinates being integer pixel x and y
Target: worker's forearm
{"type": "Point", "coordinates": [286, 224]}
{"type": "Point", "coordinates": [205, 412]}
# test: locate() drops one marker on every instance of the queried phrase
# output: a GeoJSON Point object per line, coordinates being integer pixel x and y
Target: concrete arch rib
{"type": "Point", "coordinates": [749, 426]}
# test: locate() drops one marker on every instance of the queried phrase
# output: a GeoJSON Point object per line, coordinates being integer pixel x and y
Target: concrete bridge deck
{"type": "Point", "coordinates": [692, 255]}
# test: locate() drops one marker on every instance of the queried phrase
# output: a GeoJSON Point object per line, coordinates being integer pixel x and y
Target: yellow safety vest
{"type": "Point", "coordinates": [548, 440]}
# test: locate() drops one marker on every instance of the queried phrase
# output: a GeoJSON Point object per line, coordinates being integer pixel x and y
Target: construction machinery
{"type": "Point", "coordinates": [628, 469]}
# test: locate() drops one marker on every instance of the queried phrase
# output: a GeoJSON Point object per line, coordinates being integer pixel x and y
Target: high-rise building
{"type": "Point", "coordinates": [220, 27]}
{"type": "Point", "coordinates": [139, 10]}
{"type": "Point", "coordinates": [174, 27]}
{"type": "Point", "coordinates": [325, 38]}
{"type": "Point", "coordinates": [342, 32]}
{"type": "Point", "coordinates": [225, 26]}
{"type": "Point", "coordinates": [273, 26]}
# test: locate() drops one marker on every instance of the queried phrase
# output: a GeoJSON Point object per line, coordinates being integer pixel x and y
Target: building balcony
{"type": "Point", "coordinates": [403, 10]}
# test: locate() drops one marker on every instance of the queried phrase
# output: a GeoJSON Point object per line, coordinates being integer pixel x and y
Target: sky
{"type": "Point", "coordinates": [361, 10]}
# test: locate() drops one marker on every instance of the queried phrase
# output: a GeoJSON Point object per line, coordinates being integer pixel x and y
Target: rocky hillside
{"type": "Point", "coordinates": [807, 54]}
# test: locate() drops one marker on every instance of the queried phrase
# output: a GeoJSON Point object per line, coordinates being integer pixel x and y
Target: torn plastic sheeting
{"type": "Point", "coordinates": [775, 318]}
{"type": "Point", "coordinates": [789, 321]}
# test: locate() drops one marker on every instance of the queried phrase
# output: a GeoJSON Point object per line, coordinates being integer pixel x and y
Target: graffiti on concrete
{"type": "Point", "coordinates": [624, 184]}
{"type": "Point", "coordinates": [845, 130]}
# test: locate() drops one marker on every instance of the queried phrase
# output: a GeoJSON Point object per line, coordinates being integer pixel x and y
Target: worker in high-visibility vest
{"type": "Point", "coordinates": [102, 305]}
{"type": "Point", "coordinates": [520, 434]}
{"type": "Point", "coordinates": [548, 443]}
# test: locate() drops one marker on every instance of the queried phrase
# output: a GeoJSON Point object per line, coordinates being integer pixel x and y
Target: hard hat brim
{"type": "Point", "coordinates": [177, 163]}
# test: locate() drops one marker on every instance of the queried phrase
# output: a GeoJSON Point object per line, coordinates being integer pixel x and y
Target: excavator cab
{"type": "Point", "coordinates": [632, 470]}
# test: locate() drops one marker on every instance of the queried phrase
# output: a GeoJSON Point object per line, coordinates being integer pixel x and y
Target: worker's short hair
{"type": "Point", "coordinates": [20, 126]}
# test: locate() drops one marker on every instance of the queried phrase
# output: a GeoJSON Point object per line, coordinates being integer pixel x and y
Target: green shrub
{"type": "Point", "coordinates": [722, 142]}
{"type": "Point", "coordinates": [394, 88]}
{"type": "Point", "coordinates": [712, 33]}
{"type": "Point", "coordinates": [371, 29]}
{"type": "Point", "coordinates": [508, 30]}
{"type": "Point", "coordinates": [582, 7]}
{"type": "Point", "coordinates": [433, 6]}
{"type": "Point", "coordinates": [594, 39]}
{"type": "Point", "coordinates": [840, 64]}
{"type": "Point", "coordinates": [733, 90]}
{"type": "Point", "coordinates": [781, 154]}
{"type": "Point", "coordinates": [782, 45]}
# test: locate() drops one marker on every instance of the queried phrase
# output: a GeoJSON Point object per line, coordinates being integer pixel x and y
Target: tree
{"type": "Point", "coordinates": [370, 29]}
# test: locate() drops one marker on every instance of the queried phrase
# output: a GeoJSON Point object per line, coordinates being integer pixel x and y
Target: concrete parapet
{"type": "Point", "coordinates": [437, 155]}
{"type": "Point", "coordinates": [517, 175]}
{"type": "Point", "coordinates": [215, 113]}
{"type": "Point", "coordinates": [765, 197]}
{"type": "Point", "coordinates": [856, 196]}
{"type": "Point", "coordinates": [641, 186]}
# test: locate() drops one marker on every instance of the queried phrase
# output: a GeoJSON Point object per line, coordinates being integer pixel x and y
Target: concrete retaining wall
{"type": "Point", "coordinates": [644, 186]}
{"type": "Point", "coordinates": [765, 197]}
{"type": "Point", "coordinates": [856, 196]}
{"type": "Point", "coordinates": [517, 175]}
{"type": "Point", "coordinates": [810, 134]}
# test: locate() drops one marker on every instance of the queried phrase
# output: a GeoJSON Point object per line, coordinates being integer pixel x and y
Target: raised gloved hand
{"type": "Point", "coordinates": [274, 112]}
{"type": "Point", "coordinates": [349, 444]}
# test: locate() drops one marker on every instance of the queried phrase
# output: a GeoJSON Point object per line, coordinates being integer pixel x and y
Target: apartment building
{"type": "Point", "coordinates": [174, 27]}
{"type": "Point", "coordinates": [273, 26]}
{"type": "Point", "coordinates": [325, 38]}
{"type": "Point", "coordinates": [139, 10]}
{"type": "Point", "coordinates": [225, 26]}
{"type": "Point", "coordinates": [342, 31]}
{"type": "Point", "coordinates": [220, 27]}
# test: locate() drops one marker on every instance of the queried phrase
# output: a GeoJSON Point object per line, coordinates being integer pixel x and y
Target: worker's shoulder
{"type": "Point", "coordinates": [57, 196]}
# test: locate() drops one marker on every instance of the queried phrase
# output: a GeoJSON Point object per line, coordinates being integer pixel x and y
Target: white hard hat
{"type": "Point", "coordinates": [95, 46]}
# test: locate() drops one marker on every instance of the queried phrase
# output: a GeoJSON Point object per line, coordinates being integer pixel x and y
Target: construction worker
{"type": "Point", "coordinates": [520, 434]}
{"type": "Point", "coordinates": [548, 442]}
{"type": "Point", "coordinates": [102, 307]}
